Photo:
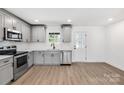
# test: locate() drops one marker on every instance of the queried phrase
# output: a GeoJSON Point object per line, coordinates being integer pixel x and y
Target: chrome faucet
{"type": "Point", "coordinates": [53, 45]}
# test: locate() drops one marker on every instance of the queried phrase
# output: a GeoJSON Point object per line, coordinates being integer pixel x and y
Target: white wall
{"type": "Point", "coordinates": [95, 42]}
{"type": "Point", "coordinates": [115, 44]}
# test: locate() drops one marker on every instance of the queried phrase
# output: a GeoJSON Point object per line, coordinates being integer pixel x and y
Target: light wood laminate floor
{"type": "Point", "coordinates": [76, 74]}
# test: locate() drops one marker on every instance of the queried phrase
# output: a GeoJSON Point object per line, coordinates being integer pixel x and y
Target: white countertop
{"type": "Point", "coordinates": [5, 56]}
{"type": "Point", "coordinates": [29, 50]}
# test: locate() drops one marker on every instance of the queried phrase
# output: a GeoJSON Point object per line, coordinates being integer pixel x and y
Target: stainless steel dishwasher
{"type": "Point", "coordinates": [67, 57]}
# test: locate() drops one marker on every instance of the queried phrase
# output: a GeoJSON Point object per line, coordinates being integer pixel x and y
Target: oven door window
{"type": "Point", "coordinates": [9, 34]}
{"type": "Point", "coordinates": [21, 61]}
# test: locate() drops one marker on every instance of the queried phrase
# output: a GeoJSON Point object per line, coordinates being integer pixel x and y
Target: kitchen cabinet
{"type": "Point", "coordinates": [67, 57]}
{"type": "Point", "coordinates": [47, 57]}
{"type": "Point", "coordinates": [1, 25]}
{"type": "Point", "coordinates": [25, 32]}
{"type": "Point", "coordinates": [17, 24]}
{"type": "Point", "coordinates": [66, 34]}
{"type": "Point", "coordinates": [12, 22]}
{"type": "Point", "coordinates": [28, 32]}
{"type": "Point", "coordinates": [6, 70]}
{"type": "Point", "coordinates": [8, 21]}
{"type": "Point", "coordinates": [38, 34]}
{"type": "Point", "coordinates": [30, 59]}
{"type": "Point", "coordinates": [53, 58]}
{"type": "Point", "coordinates": [39, 57]}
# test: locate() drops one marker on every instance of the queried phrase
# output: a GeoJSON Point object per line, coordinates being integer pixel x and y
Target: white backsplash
{"type": "Point", "coordinates": [23, 46]}
{"type": "Point", "coordinates": [45, 46]}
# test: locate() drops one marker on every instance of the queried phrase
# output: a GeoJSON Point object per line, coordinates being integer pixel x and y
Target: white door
{"type": "Point", "coordinates": [79, 53]}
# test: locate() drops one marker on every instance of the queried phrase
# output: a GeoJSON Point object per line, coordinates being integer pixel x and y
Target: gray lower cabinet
{"type": "Point", "coordinates": [53, 58]}
{"type": "Point", "coordinates": [30, 59]}
{"type": "Point", "coordinates": [47, 58]}
{"type": "Point", "coordinates": [6, 70]}
{"type": "Point", "coordinates": [67, 57]}
{"type": "Point", "coordinates": [38, 57]}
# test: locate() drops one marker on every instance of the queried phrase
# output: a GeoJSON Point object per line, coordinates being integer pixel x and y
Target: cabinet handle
{"type": "Point", "coordinates": [6, 61]}
{"type": "Point", "coordinates": [52, 55]}
{"type": "Point", "coordinates": [37, 40]}
{"type": "Point", "coordinates": [14, 28]}
{"type": "Point", "coordinates": [43, 55]}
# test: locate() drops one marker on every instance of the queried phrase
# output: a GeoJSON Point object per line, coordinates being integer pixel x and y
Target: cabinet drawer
{"type": "Point", "coordinates": [6, 61]}
{"type": "Point", "coordinates": [52, 54]}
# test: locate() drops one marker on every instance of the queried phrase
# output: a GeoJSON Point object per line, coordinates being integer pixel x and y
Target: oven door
{"type": "Point", "coordinates": [20, 63]}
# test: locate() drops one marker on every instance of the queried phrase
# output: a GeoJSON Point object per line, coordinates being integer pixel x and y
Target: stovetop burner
{"type": "Point", "coordinates": [11, 50]}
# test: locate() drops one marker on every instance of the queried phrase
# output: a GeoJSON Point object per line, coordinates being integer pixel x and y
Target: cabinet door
{"type": "Point", "coordinates": [38, 34]}
{"type": "Point", "coordinates": [28, 33]}
{"type": "Point", "coordinates": [25, 32]}
{"type": "Point", "coordinates": [66, 34]}
{"type": "Point", "coordinates": [30, 59]}
{"type": "Point", "coordinates": [8, 21]}
{"type": "Point", "coordinates": [6, 74]}
{"type": "Point", "coordinates": [53, 58]}
{"type": "Point", "coordinates": [48, 58]}
{"type": "Point", "coordinates": [41, 34]}
{"type": "Point", "coordinates": [34, 34]}
{"type": "Point", "coordinates": [1, 26]}
{"type": "Point", "coordinates": [39, 58]}
{"type": "Point", "coordinates": [56, 58]}
{"type": "Point", "coordinates": [17, 24]}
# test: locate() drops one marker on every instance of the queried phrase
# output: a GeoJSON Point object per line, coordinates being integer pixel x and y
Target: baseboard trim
{"type": "Point", "coordinates": [114, 66]}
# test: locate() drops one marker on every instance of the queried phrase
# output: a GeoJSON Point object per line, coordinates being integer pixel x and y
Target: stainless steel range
{"type": "Point", "coordinates": [20, 60]}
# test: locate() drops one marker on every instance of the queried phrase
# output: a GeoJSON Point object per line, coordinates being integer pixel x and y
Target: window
{"type": "Point", "coordinates": [54, 37]}
{"type": "Point", "coordinates": [79, 40]}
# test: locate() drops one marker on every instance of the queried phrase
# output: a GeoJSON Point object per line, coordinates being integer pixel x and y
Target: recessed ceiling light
{"type": "Point", "coordinates": [110, 19]}
{"type": "Point", "coordinates": [69, 20]}
{"type": "Point", "coordinates": [36, 20]}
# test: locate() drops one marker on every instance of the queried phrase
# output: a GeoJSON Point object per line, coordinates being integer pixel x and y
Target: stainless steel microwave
{"type": "Point", "coordinates": [12, 35]}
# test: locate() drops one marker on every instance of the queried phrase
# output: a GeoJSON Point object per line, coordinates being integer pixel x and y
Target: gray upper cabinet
{"type": "Point", "coordinates": [38, 34]}
{"type": "Point", "coordinates": [17, 25]}
{"type": "Point", "coordinates": [8, 21]}
{"type": "Point", "coordinates": [66, 33]}
{"type": "Point", "coordinates": [25, 32]}
{"type": "Point", "coordinates": [12, 22]}
{"type": "Point", "coordinates": [1, 25]}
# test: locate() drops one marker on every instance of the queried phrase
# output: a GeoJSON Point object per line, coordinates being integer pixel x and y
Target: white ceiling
{"type": "Point", "coordinates": [79, 16]}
